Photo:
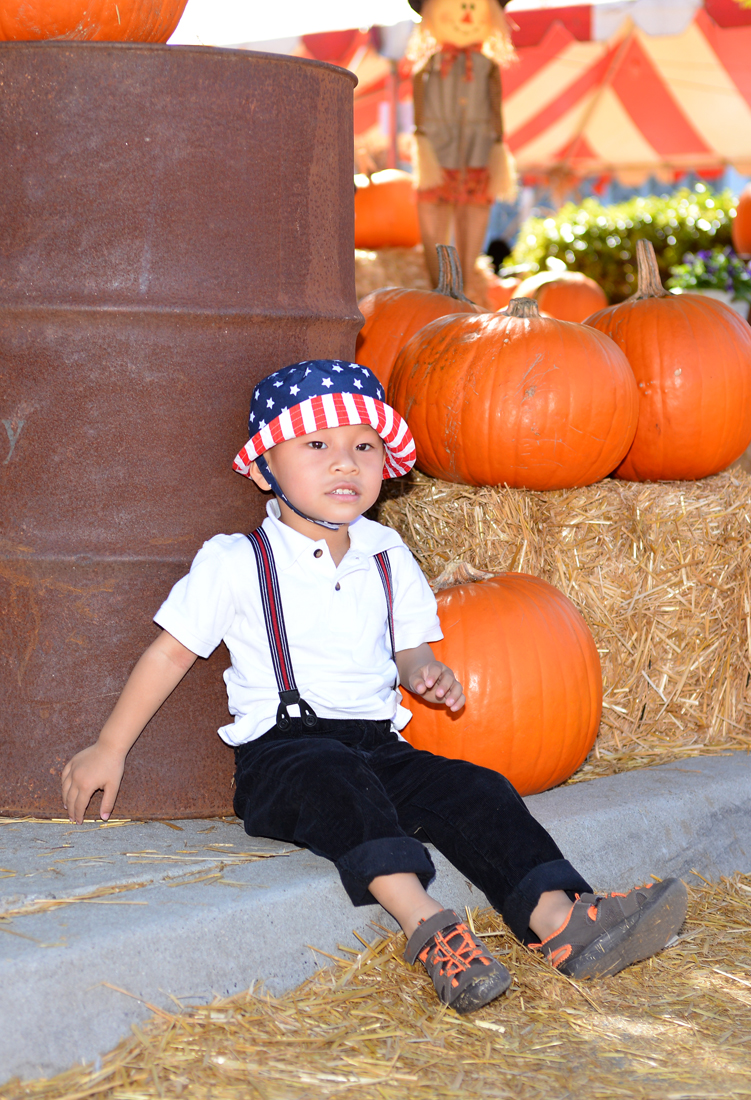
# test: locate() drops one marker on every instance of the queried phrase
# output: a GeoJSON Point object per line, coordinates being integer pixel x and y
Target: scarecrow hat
{"type": "Point", "coordinates": [323, 393]}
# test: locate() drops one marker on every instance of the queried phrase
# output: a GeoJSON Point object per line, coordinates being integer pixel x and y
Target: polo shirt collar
{"type": "Point", "coordinates": [365, 537]}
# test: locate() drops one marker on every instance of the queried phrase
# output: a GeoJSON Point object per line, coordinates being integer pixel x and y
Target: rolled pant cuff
{"type": "Point", "coordinates": [387, 856]}
{"type": "Point", "coordinates": [559, 874]}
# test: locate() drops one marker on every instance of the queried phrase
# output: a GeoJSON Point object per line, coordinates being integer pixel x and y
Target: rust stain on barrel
{"type": "Point", "coordinates": [175, 223]}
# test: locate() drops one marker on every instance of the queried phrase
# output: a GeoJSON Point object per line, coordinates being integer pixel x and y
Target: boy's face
{"type": "Point", "coordinates": [333, 474]}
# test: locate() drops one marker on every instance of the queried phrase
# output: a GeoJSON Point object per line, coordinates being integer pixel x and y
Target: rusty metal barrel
{"type": "Point", "coordinates": [175, 223]}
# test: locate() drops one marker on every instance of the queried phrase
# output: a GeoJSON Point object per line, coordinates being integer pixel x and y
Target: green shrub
{"type": "Point", "coordinates": [600, 241]}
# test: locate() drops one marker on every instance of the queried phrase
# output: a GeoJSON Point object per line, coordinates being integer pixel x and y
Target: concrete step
{"type": "Point", "coordinates": [100, 922]}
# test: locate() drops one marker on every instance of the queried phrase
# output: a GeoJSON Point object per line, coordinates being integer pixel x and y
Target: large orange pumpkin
{"type": "Point", "coordinates": [741, 230]}
{"type": "Point", "coordinates": [89, 20]}
{"type": "Point", "coordinates": [386, 212]}
{"type": "Point", "coordinates": [393, 314]}
{"type": "Point", "coordinates": [567, 295]}
{"type": "Point", "coordinates": [691, 356]}
{"type": "Point", "coordinates": [515, 398]}
{"type": "Point", "coordinates": [531, 674]}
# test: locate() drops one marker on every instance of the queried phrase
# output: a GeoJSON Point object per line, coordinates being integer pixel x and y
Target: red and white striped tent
{"type": "Point", "coordinates": [636, 104]}
{"type": "Point", "coordinates": [626, 89]}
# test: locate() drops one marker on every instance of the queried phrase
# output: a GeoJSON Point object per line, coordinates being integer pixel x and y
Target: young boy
{"type": "Point", "coordinates": [324, 613]}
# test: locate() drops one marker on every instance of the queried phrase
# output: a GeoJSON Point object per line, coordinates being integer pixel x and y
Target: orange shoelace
{"type": "Point", "coordinates": [454, 960]}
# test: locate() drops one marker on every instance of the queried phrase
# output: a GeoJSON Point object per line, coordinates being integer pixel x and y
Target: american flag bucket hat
{"type": "Point", "coordinates": [324, 393]}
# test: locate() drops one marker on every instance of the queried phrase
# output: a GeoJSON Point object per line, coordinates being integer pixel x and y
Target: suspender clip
{"type": "Point", "coordinates": [286, 698]}
{"type": "Point", "coordinates": [283, 719]}
{"type": "Point", "coordinates": [308, 715]}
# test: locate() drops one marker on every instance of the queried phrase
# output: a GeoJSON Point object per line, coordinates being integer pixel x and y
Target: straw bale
{"type": "Point", "coordinates": [661, 573]}
{"type": "Point", "coordinates": [370, 1028]}
{"type": "Point", "coordinates": [406, 267]}
{"type": "Point", "coordinates": [744, 462]}
{"type": "Point", "coordinates": [390, 267]}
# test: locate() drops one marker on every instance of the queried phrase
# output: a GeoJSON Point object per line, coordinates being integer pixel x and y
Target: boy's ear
{"type": "Point", "coordinates": [258, 477]}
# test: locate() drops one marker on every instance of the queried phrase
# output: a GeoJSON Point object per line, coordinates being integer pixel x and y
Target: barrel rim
{"type": "Point", "coordinates": [157, 47]}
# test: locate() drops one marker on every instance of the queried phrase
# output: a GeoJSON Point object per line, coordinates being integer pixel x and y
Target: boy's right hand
{"type": "Point", "coordinates": [100, 767]}
{"type": "Point", "coordinates": [93, 769]}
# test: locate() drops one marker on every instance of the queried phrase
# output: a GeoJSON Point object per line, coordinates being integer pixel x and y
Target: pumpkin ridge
{"type": "Point", "coordinates": [555, 615]}
{"type": "Point", "coordinates": [542, 762]}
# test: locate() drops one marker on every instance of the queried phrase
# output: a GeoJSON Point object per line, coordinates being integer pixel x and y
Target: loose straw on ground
{"type": "Point", "coordinates": [661, 574]}
{"type": "Point", "coordinates": [370, 1028]}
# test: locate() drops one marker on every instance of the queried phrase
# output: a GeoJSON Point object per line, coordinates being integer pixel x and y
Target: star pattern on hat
{"type": "Point", "coordinates": [324, 392]}
{"type": "Point", "coordinates": [304, 380]}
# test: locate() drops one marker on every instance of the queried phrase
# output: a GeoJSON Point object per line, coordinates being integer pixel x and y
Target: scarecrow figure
{"type": "Point", "coordinates": [461, 163]}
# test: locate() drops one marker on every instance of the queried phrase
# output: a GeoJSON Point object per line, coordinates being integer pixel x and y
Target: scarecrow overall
{"type": "Point", "coordinates": [461, 163]}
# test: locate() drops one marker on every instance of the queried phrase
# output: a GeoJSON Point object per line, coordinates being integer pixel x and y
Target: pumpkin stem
{"type": "Point", "coordinates": [445, 275]}
{"type": "Point", "coordinates": [650, 284]}
{"type": "Point", "coordinates": [523, 307]}
{"type": "Point", "coordinates": [459, 572]}
{"type": "Point", "coordinates": [456, 269]}
{"type": "Point", "coordinates": [450, 281]}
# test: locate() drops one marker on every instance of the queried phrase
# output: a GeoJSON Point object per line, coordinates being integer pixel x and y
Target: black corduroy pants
{"type": "Point", "coordinates": [352, 792]}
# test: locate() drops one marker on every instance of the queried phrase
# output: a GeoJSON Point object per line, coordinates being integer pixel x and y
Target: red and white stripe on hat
{"type": "Point", "coordinates": [334, 410]}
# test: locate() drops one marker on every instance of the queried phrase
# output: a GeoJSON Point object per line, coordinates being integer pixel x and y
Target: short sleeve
{"type": "Point", "coordinates": [200, 609]}
{"type": "Point", "coordinates": [415, 610]}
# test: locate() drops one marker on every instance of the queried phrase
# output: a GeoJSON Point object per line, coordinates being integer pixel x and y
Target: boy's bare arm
{"type": "Point", "coordinates": [424, 675]}
{"type": "Point", "coordinates": [100, 767]}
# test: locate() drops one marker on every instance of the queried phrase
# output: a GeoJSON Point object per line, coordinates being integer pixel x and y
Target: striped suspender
{"type": "Point", "coordinates": [276, 631]}
{"type": "Point", "coordinates": [384, 570]}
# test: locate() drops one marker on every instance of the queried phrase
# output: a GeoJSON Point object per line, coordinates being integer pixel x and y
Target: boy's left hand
{"type": "Point", "coordinates": [436, 683]}
{"type": "Point", "coordinates": [431, 679]}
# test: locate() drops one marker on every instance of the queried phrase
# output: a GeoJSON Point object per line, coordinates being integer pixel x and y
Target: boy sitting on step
{"type": "Point", "coordinates": [325, 613]}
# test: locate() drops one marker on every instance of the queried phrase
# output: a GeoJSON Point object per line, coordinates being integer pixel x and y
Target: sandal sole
{"type": "Point", "coordinates": [482, 991]}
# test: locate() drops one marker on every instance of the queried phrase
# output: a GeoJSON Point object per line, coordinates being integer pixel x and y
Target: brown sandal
{"type": "Point", "coordinates": [465, 976]}
{"type": "Point", "coordinates": [604, 933]}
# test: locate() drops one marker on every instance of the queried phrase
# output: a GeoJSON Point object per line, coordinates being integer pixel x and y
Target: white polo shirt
{"type": "Point", "coordinates": [336, 619]}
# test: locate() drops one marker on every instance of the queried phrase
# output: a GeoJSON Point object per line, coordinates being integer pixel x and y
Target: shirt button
{"type": "Point", "coordinates": [337, 586]}
{"type": "Point", "coordinates": [317, 553]}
